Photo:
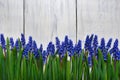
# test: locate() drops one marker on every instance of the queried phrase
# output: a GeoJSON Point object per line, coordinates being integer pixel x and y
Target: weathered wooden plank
{"type": "Point", "coordinates": [11, 17]}
{"type": "Point", "coordinates": [101, 17]}
{"type": "Point", "coordinates": [46, 19]}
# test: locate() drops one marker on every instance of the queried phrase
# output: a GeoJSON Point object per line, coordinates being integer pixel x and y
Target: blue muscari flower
{"type": "Point", "coordinates": [91, 38]}
{"type": "Point", "coordinates": [66, 41]}
{"type": "Point", "coordinates": [26, 51]}
{"type": "Point", "coordinates": [23, 42]}
{"type": "Point", "coordinates": [102, 44]}
{"type": "Point", "coordinates": [2, 41]}
{"type": "Point", "coordinates": [41, 48]}
{"type": "Point", "coordinates": [91, 51]}
{"type": "Point", "coordinates": [11, 43]}
{"type": "Point", "coordinates": [118, 55]}
{"type": "Point", "coordinates": [115, 49]}
{"type": "Point", "coordinates": [115, 44]}
{"type": "Point", "coordinates": [78, 47]}
{"type": "Point", "coordinates": [61, 51]}
{"type": "Point", "coordinates": [103, 49]}
{"type": "Point", "coordinates": [88, 45]}
{"type": "Point", "coordinates": [51, 48]}
{"type": "Point", "coordinates": [17, 45]}
{"type": "Point", "coordinates": [87, 42]}
{"type": "Point", "coordinates": [95, 44]}
{"type": "Point", "coordinates": [90, 61]}
{"type": "Point", "coordinates": [57, 43]}
{"type": "Point", "coordinates": [70, 48]}
{"type": "Point", "coordinates": [44, 56]}
{"type": "Point", "coordinates": [30, 42]}
{"type": "Point", "coordinates": [35, 49]}
{"type": "Point", "coordinates": [34, 45]}
{"type": "Point", "coordinates": [109, 44]}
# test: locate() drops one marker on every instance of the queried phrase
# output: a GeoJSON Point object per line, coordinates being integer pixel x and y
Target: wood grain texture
{"type": "Point", "coordinates": [11, 17]}
{"type": "Point", "coordinates": [101, 17]}
{"type": "Point", "coordinates": [46, 19]}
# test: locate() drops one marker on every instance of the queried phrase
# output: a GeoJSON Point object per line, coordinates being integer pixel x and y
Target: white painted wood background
{"type": "Point", "coordinates": [46, 19]}
{"type": "Point", "coordinates": [11, 17]}
{"type": "Point", "coordinates": [101, 17]}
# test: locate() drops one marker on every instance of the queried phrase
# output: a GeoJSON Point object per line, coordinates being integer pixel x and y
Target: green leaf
{"type": "Point", "coordinates": [23, 69]}
{"type": "Point", "coordinates": [80, 66]}
{"type": "Point", "coordinates": [68, 70]}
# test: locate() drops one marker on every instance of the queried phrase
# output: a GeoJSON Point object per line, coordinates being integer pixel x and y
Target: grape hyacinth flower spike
{"type": "Point", "coordinates": [90, 61]}
{"type": "Point", "coordinates": [26, 51]}
{"type": "Point", "coordinates": [41, 49]}
{"type": "Point", "coordinates": [23, 41]}
{"type": "Point", "coordinates": [66, 41]}
{"type": "Point", "coordinates": [57, 43]}
{"type": "Point", "coordinates": [61, 51]}
{"type": "Point", "coordinates": [87, 42]}
{"type": "Point", "coordinates": [118, 55]}
{"type": "Point", "coordinates": [95, 45]}
{"type": "Point", "coordinates": [51, 48]}
{"type": "Point", "coordinates": [30, 42]}
{"type": "Point", "coordinates": [2, 41]}
{"type": "Point", "coordinates": [70, 48]}
{"type": "Point", "coordinates": [17, 45]}
{"type": "Point", "coordinates": [78, 48]}
{"type": "Point", "coordinates": [44, 56]}
{"type": "Point", "coordinates": [108, 46]}
{"type": "Point", "coordinates": [115, 49]}
{"type": "Point", "coordinates": [103, 48]}
{"type": "Point", "coordinates": [11, 43]}
{"type": "Point", "coordinates": [91, 38]}
{"type": "Point", "coordinates": [35, 50]}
